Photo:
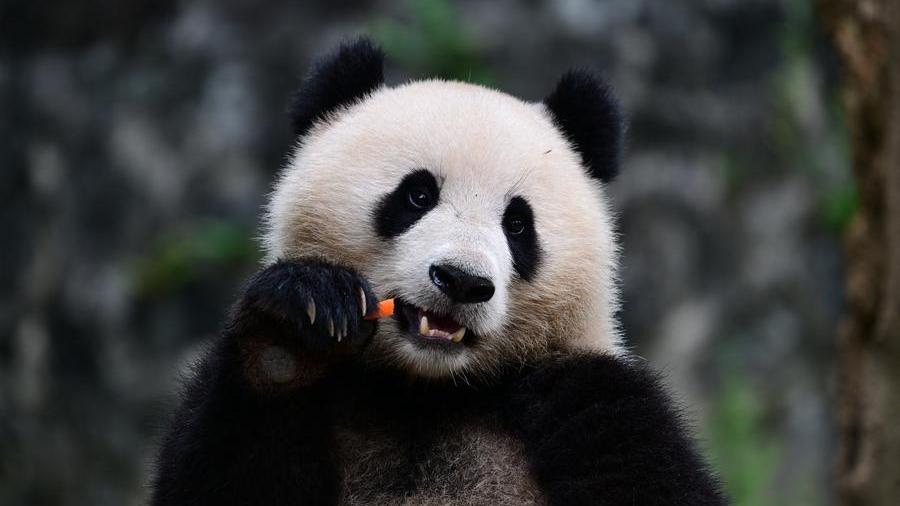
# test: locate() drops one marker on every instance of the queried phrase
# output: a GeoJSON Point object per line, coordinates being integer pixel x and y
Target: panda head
{"type": "Point", "coordinates": [484, 215]}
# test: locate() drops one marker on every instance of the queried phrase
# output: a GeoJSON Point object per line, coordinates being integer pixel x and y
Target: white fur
{"type": "Point", "coordinates": [484, 147]}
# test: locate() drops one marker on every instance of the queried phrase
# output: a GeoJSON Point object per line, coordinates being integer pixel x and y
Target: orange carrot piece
{"type": "Point", "coordinates": [385, 309]}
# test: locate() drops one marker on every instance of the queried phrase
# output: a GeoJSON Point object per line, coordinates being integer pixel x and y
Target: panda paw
{"type": "Point", "coordinates": [318, 307]}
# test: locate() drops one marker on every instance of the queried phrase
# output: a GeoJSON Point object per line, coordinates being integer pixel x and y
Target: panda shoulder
{"type": "Point", "coordinates": [619, 393]}
{"type": "Point", "coordinates": [595, 375]}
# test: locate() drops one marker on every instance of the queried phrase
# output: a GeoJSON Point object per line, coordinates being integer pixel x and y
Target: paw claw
{"type": "Point", "coordinates": [315, 301]}
{"type": "Point", "coordinates": [311, 311]}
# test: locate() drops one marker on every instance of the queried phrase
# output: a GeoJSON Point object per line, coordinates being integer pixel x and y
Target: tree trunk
{"type": "Point", "coordinates": [866, 35]}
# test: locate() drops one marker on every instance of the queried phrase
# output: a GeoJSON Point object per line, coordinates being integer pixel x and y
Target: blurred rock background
{"type": "Point", "coordinates": [138, 140]}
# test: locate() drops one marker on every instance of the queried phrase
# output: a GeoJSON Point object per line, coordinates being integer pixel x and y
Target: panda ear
{"type": "Point", "coordinates": [584, 109]}
{"type": "Point", "coordinates": [339, 79]}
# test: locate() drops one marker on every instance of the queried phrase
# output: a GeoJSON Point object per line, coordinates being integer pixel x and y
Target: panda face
{"type": "Point", "coordinates": [472, 209]}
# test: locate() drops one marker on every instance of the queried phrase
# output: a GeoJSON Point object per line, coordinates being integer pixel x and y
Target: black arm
{"type": "Point", "coordinates": [253, 427]}
{"type": "Point", "coordinates": [601, 431]}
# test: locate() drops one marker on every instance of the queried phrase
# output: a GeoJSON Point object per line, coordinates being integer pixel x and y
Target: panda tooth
{"type": "Point", "coordinates": [423, 326]}
{"type": "Point", "coordinates": [458, 335]}
{"type": "Point", "coordinates": [311, 311]}
{"type": "Point", "coordinates": [362, 301]}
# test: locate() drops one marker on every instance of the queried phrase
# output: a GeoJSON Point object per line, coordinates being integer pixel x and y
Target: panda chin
{"type": "Point", "coordinates": [427, 328]}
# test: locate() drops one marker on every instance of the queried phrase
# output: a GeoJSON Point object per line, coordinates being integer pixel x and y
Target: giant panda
{"type": "Point", "coordinates": [501, 379]}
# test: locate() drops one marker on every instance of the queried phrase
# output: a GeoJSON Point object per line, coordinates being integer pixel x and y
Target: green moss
{"type": "Point", "coordinates": [432, 42]}
{"type": "Point", "coordinates": [187, 255]}
{"type": "Point", "coordinates": [733, 170]}
{"type": "Point", "coordinates": [822, 155]}
{"type": "Point", "coordinates": [741, 448]}
{"type": "Point", "coordinates": [838, 206]}
{"type": "Point", "coordinates": [744, 448]}
{"type": "Point", "coordinates": [841, 201]}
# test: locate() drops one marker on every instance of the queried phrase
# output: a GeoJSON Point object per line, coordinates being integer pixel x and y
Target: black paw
{"type": "Point", "coordinates": [319, 305]}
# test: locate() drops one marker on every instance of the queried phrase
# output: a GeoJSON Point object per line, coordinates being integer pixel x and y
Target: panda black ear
{"type": "Point", "coordinates": [342, 78]}
{"type": "Point", "coordinates": [584, 109]}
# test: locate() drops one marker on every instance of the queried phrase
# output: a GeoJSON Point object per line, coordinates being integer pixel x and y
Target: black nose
{"type": "Point", "coordinates": [461, 286]}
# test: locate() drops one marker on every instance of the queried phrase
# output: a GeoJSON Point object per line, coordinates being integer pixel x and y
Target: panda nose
{"type": "Point", "coordinates": [461, 286]}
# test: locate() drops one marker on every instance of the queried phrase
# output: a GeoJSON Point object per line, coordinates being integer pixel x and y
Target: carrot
{"type": "Point", "coordinates": [385, 309]}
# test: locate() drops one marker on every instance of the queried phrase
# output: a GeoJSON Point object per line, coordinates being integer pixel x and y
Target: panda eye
{"type": "Point", "coordinates": [514, 224]}
{"type": "Point", "coordinates": [416, 194]}
{"type": "Point", "coordinates": [420, 197]}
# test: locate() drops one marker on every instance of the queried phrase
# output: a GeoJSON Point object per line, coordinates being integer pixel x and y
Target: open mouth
{"type": "Point", "coordinates": [427, 326]}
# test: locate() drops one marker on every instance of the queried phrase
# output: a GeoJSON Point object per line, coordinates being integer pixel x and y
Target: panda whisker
{"type": "Point", "coordinates": [510, 193]}
{"type": "Point", "coordinates": [453, 206]}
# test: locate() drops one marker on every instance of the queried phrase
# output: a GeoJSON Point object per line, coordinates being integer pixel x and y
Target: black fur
{"type": "Point", "coordinates": [232, 445]}
{"type": "Point", "coordinates": [595, 429]}
{"type": "Point", "coordinates": [602, 431]}
{"type": "Point", "coordinates": [239, 440]}
{"type": "Point", "coordinates": [340, 79]}
{"type": "Point", "coordinates": [584, 108]}
{"type": "Point", "coordinates": [395, 213]}
{"type": "Point", "coordinates": [524, 246]}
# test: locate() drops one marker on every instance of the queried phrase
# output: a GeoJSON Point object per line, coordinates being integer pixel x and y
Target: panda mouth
{"type": "Point", "coordinates": [425, 325]}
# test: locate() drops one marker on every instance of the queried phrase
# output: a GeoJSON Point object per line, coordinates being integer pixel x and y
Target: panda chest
{"type": "Point", "coordinates": [463, 463]}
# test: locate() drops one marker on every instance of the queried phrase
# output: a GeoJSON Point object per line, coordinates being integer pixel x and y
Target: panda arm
{"type": "Point", "coordinates": [599, 430]}
{"type": "Point", "coordinates": [254, 424]}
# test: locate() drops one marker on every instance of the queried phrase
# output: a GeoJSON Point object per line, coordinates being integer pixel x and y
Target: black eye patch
{"type": "Point", "coordinates": [518, 225]}
{"type": "Point", "coordinates": [399, 210]}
